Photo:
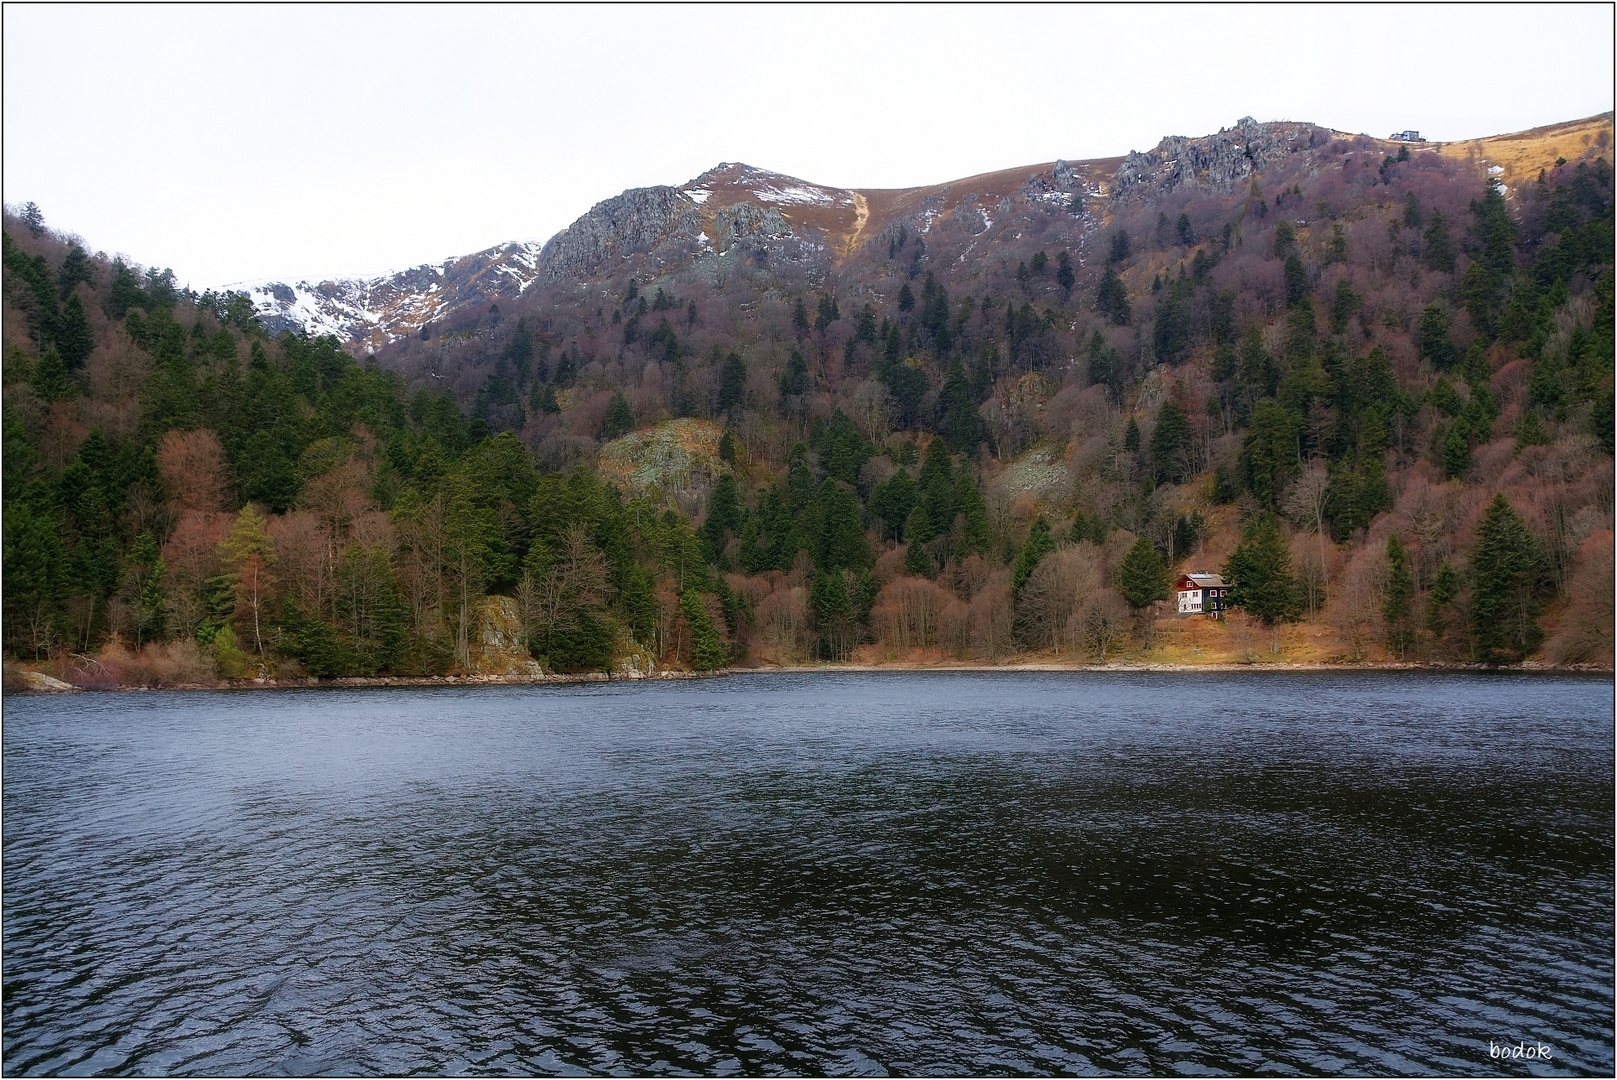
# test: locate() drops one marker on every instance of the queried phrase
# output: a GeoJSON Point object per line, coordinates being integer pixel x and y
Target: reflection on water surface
{"type": "Point", "coordinates": [844, 873]}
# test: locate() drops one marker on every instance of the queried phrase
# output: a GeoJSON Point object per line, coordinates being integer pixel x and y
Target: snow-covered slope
{"type": "Point", "coordinates": [367, 314]}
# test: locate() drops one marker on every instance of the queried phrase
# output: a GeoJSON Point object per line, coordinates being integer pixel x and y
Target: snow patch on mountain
{"type": "Point", "coordinates": [369, 313]}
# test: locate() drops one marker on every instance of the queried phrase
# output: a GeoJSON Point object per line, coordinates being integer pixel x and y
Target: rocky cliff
{"type": "Point", "coordinates": [1213, 161]}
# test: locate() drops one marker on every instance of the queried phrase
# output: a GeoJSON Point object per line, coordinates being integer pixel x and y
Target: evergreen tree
{"type": "Point", "coordinates": [1261, 580]}
{"type": "Point", "coordinates": [723, 517]}
{"type": "Point", "coordinates": [800, 321]}
{"type": "Point", "coordinates": [1439, 245]}
{"type": "Point", "coordinates": [1131, 436]}
{"type": "Point", "coordinates": [75, 337]}
{"type": "Point", "coordinates": [619, 419]}
{"type": "Point", "coordinates": [1504, 574]}
{"type": "Point", "coordinates": [732, 382]}
{"type": "Point", "coordinates": [707, 648]}
{"type": "Point", "coordinates": [50, 378]}
{"type": "Point", "coordinates": [1143, 579]}
{"type": "Point", "coordinates": [1170, 443]}
{"type": "Point", "coordinates": [1111, 298]}
{"type": "Point", "coordinates": [1396, 599]}
{"type": "Point", "coordinates": [1121, 248]}
{"type": "Point", "coordinates": [1065, 277]}
{"type": "Point", "coordinates": [1445, 587]}
{"type": "Point", "coordinates": [906, 298]}
{"type": "Point", "coordinates": [74, 269]}
{"type": "Point", "coordinates": [918, 562]}
{"type": "Point", "coordinates": [1039, 544]}
{"type": "Point", "coordinates": [958, 421]}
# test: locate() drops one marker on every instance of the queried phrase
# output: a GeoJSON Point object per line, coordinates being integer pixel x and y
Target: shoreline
{"type": "Point", "coordinates": [27, 682]}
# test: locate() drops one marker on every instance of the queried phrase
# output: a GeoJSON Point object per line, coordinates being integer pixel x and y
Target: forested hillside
{"type": "Point", "coordinates": [747, 422]}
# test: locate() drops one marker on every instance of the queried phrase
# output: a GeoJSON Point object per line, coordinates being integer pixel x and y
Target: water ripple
{"type": "Point", "coordinates": [848, 874]}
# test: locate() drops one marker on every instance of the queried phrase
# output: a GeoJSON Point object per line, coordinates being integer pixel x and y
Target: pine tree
{"type": "Point", "coordinates": [1261, 581]}
{"type": "Point", "coordinates": [958, 421]}
{"type": "Point", "coordinates": [50, 378]}
{"type": "Point", "coordinates": [918, 561]}
{"type": "Point", "coordinates": [1039, 544]}
{"type": "Point", "coordinates": [1064, 275]}
{"type": "Point", "coordinates": [619, 419]}
{"type": "Point", "coordinates": [723, 516]}
{"type": "Point", "coordinates": [1143, 579]}
{"type": "Point", "coordinates": [1504, 573]}
{"type": "Point", "coordinates": [75, 337]}
{"type": "Point", "coordinates": [732, 382]}
{"type": "Point", "coordinates": [800, 320]}
{"type": "Point", "coordinates": [1170, 443]}
{"type": "Point", "coordinates": [1396, 599]}
{"type": "Point", "coordinates": [1445, 587]}
{"type": "Point", "coordinates": [1131, 436]}
{"type": "Point", "coordinates": [707, 648]}
{"type": "Point", "coordinates": [1439, 245]}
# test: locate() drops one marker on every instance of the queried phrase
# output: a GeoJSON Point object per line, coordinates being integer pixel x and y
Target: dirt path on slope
{"type": "Point", "coordinates": [861, 215]}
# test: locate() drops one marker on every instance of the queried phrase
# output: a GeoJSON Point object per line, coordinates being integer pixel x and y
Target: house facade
{"type": "Point", "coordinates": [1406, 136]}
{"type": "Point", "coordinates": [1201, 594]}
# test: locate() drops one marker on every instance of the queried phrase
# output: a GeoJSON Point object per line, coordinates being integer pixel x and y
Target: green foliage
{"type": "Point", "coordinates": [1504, 573]}
{"type": "Point", "coordinates": [1170, 443]}
{"type": "Point", "coordinates": [1439, 245]}
{"type": "Point", "coordinates": [707, 648]}
{"type": "Point", "coordinates": [1143, 579]}
{"type": "Point", "coordinates": [1270, 452]}
{"type": "Point", "coordinates": [619, 419]}
{"type": "Point", "coordinates": [1039, 544]}
{"type": "Point", "coordinates": [918, 563]}
{"type": "Point", "coordinates": [1260, 576]}
{"type": "Point", "coordinates": [1397, 598]}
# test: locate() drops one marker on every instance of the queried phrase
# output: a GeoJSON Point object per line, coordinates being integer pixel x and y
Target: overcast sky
{"type": "Point", "coordinates": [237, 143]}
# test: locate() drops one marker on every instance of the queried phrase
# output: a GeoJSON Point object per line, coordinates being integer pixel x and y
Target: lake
{"type": "Point", "coordinates": [846, 873]}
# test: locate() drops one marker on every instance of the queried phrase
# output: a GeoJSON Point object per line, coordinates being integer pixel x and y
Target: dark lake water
{"type": "Point", "coordinates": [822, 873]}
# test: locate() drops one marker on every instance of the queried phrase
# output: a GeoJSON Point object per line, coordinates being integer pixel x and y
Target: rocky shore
{"type": "Point", "coordinates": [19, 680]}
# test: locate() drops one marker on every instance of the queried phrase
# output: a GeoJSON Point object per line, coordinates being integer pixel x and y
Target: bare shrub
{"type": "Point", "coordinates": [1585, 634]}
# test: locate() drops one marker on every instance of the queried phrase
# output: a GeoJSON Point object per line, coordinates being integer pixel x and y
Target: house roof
{"type": "Point", "coordinates": [1205, 581]}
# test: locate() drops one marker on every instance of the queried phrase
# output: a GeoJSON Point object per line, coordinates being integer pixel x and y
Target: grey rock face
{"type": "Point", "coordinates": [1214, 161]}
{"type": "Point", "coordinates": [748, 221]}
{"type": "Point", "coordinates": [658, 221]}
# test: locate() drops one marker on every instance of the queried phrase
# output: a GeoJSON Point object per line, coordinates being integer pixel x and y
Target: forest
{"type": "Point", "coordinates": [1373, 390]}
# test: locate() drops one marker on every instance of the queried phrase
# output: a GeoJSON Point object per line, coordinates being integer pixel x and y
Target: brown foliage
{"type": "Point", "coordinates": [1585, 634]}
{"type": "Point", "coordinates": [192, 464]}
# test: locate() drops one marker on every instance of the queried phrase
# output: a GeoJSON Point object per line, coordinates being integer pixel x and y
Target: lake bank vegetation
{"type": "Point", "coordinates": [1389, 426]}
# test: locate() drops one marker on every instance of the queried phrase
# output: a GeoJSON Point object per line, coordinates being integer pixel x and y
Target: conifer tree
{"type": "Point", "coordinates": [1396, 599]}
{"type": "Point", "coordinates": [1170, 443]}
{"type": "Point", "coordinates": [1143, 579]}
{"type": "Point", "coordinates": [1439, 245]}
{"type": "Point", "coordinates": [1504, 574]}
{"type": "Point", "coordinates": [50, 378]}
{"type": "Point", "coordinates": [1261, 580]}
{"type": "Point", "coordinates": [619, 419]}
{"type": "Point", "coordinates": [707, 648]}
{"type": "Point", "coordinates": [1039, 544]}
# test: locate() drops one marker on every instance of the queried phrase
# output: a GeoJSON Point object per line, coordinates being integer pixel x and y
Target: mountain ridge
{"type": "Point", "coordinates": [735, 202]}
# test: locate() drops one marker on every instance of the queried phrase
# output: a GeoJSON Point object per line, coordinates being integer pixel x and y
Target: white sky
{"type": "Point", "coordinates": [246, 142]}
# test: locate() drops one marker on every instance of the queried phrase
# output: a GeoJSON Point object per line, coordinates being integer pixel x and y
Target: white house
{"type": "Point", "coordinates": [1201, 594]}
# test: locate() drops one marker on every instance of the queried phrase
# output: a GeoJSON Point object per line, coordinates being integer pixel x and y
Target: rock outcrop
{"type": "Point", "coordinates": [661, 223]}
{"type": "Point", "coordinates": [1213, 161]}
{"type": "Point", "coordinates": [499, 648]}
